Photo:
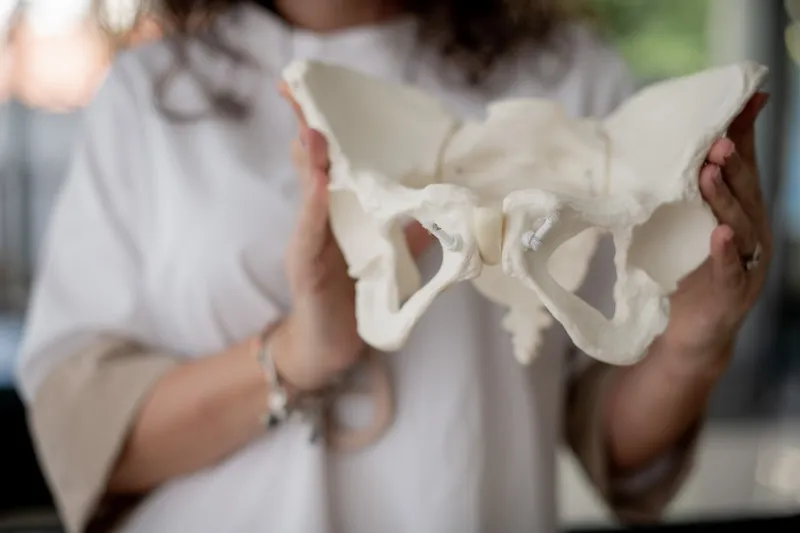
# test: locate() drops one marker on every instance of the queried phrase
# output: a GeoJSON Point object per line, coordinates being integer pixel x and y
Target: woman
{"type": "Point", "coordinates": [184, 253]}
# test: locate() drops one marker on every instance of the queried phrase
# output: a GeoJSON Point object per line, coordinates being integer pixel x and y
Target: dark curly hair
{"type": "Point", "coordinates": [471, 35]}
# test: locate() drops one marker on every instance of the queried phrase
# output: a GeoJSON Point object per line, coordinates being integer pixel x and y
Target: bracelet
{"type": "Point", "coordinates": [281, 404]}
{"type": "Point", "coordinates": [278, 405]}
{"type": "Point", "coordinates": [314, 407]}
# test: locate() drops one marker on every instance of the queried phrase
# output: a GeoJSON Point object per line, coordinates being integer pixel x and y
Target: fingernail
{"type": "Point", "coordinates": [731, 150]}
{"type": "Point", "coordinates": [727, 237]}
{"type": "Point", "coordinates": [731, 238]}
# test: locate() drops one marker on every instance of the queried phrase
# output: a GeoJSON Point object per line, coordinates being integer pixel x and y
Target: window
{"type": "Point", "coordinates": [658, 39]}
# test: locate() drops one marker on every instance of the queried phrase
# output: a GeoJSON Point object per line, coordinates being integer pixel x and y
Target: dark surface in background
{"type": "Point", "coordinates": [21, 483]}
{"type": "Point", "coordinates": [779, 391]}
{"type": "Point", "coordinates": [748, 524]}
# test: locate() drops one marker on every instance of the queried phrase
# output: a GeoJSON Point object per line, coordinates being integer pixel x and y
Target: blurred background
{"type": "Point", "coordinates": [54, 56]}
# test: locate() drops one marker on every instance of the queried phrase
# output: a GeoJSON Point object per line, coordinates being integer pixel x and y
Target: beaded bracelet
{"type": "Point", "coordinates": [312, 406]}
{"type": "Point", "coordinates": [278, 405]}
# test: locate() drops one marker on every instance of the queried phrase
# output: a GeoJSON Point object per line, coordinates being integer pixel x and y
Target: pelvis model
{"type": "Point", "coordinates": [519, 200]}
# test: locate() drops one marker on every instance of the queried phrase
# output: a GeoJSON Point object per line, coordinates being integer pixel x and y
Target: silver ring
{"type": "Point", "coordinates": [751, 261]}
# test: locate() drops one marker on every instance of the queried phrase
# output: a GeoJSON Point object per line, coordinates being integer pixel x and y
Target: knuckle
{"type": "Point", "coordinates": [717, 191]}
{"type": "Point", "coordinates": [707, 186]}
{"type": "Point", "coordinates": [723, 194]}
{"type": "Point", "coordinates": [734, 280]}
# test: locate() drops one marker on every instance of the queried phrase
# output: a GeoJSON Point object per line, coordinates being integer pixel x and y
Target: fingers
{"type": "Point", "coordinates": [743, 184]}
{"type": "Point", "coordinates": [310, 158]}
{"type": "Point", "coordinates": [728, 209]}
{"type": "Point", "coordinates": [317, 148]}
{"type": "Point", "coordinates": [741, 131]}
{"type": "Point", "coordinates": [283, 89]}
{"type": "Point", "coordinates": [314, 156]}
{"type": "Point", "coordinates": [309, 153]}
{"type": "Point", "coordinates": [313, 140]}
{"type": "Point", "coordinates": [312, 229]}
{"type": "Point", "coordinates": [299, 158]}
{"type": "Point", "coordinates": [728, 273]}
{"type": "Point", "coordinates": [720, 151]}
{"type": "Point", "coordinates": [286, 94]}
{"type": "Point", "coordinates": [729, 183]}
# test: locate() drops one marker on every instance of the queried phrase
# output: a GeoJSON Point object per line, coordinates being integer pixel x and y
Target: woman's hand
{"type": "Point", "coordinates": [319, 339]}
{"type": "Point", "coordinates": [712, 301]}
{"type": "Point", "coordinates": [656, 404]}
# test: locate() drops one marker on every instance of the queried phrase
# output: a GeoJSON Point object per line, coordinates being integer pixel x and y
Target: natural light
{"type": "Point", "coordinates": [48, 17]}
{"type": "Point", "coordinates": [54, 16]}
{"type": "Point", "coordinates": [53, 54]}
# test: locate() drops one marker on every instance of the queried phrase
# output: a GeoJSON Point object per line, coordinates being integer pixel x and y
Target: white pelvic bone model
{"type": "Point", "coordinates": [503, 196]}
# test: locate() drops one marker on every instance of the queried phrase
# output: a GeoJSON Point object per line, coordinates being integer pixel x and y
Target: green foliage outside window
{"type": "Point", "coordinates": [658, 38]}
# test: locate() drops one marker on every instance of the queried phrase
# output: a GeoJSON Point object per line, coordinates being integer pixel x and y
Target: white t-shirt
{"type": "Point", "coordinates": [172, 234]}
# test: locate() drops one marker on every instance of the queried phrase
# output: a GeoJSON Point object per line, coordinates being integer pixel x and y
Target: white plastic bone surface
{"type": "Point", "coordinates": [519, 200]}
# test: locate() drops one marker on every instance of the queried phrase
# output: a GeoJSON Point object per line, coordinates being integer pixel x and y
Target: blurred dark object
{"type": "Point", "coordinates": [14, 264]}
{"type": "Point", "coordinates": [749, 524]}
{"type": "Point", "coordinates": [22, 485]}
{"type": "Point", "coordinates": [789, 523]}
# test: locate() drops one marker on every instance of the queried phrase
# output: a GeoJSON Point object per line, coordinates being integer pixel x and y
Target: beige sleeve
{"type": "Point", "coordinates": [79, 420]}
{"type": "Point", "coordinates": [638, 499]}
